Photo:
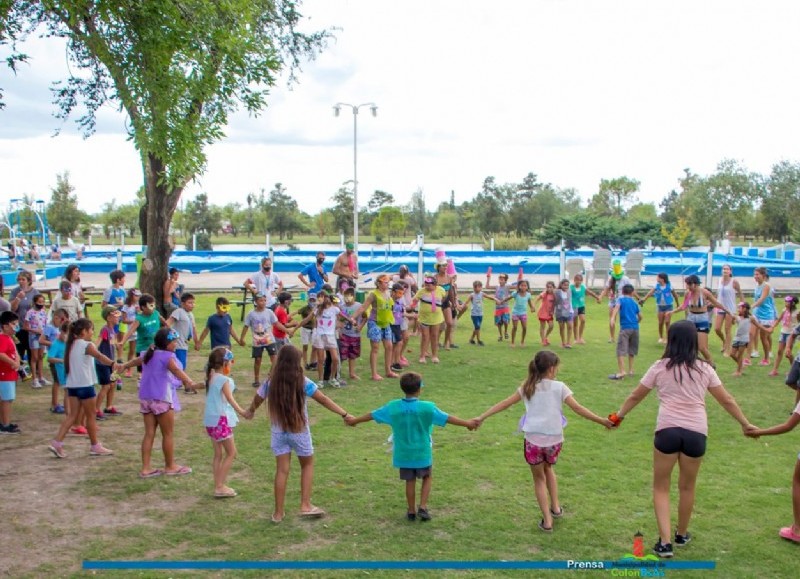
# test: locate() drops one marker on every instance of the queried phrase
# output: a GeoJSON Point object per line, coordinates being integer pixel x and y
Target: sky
{"type": "Point", "coordinates": [572, 90]}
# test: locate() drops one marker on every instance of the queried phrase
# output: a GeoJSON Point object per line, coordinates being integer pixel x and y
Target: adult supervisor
{"type": "Point", "coordinates": [314, 276]}
{"type": "Point", "coordinates": [346, 267]}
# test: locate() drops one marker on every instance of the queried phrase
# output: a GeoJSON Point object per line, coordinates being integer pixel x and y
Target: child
{"type": "Point", "coordinates": [182, 320]}
{"type": "Point", "coordinates": [35, 321]}
{"type": "Point", "coordinates": [307, 329]}
{"type": "Point", "coordinates": [147, 323]}
{"type": "Point", "coordinates": [350, 334]}
{"type": "Point", "coordinates": [792, 532]}
{"type": "Point", "coordinates": [107, 345]}
{"type": "Point", "coordinates": [9, 364]}
{"type": "Point", "coordinates": [68, 301]}
{"type": "Point", "coordinates": [628, 340]}
{"type": "Point", "coordinates": [666, 298]}
{"type": "Point", "coordinates": [115, 294]}
{"type": "Point", "coordinates": [502, 313]}
{"type": "Point", "coordinates": [55, 357]}
{"type": "Point", "coordinates": [399, 316]}
{"type": "Point", "coordinates": [327, 315]}
{"type": "Point", "coordinates": [48, 338]}
{"type": "Point", "coordinates": [578, 293]}
{"type": "Point", "coordinates": [564, 313]}
{"type": "Point", "coordinates": [476, 313]}
{"type": "Point", "coordinates": [220, 417]}
{"type": "Point", "coordinates": [412, 421]}
{"type": "Point", "coordinates": [262, 320]}
{"type": "Point", "coordinates": [79, 356]}
{"type": "Point", "coordinates": [542, 424]}
{"type": "Point", "coordinates": [282, 313]}
{"type": "Point", "coordinates": [287, 390]}
{"type": "Point", "coordinates": [545, 313]}
{"type": "Point", "coordinates": [129, 311]}
{"type": "Point", "coordinates": [741, 341]}
{"type": "Point", "coordinates": [220, 325]}
{"type": "Point", "coordinates": [155, 401]}
{"type": "Point", "coordinates": [786, 322]}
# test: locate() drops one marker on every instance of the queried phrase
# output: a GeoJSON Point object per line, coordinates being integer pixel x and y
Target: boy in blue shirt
{"type": "Point", "coordinates": [412, 421]}
{"type": "Point", "coordinates": [220, 325]}
{"type": "Point", "coordinates": [628, 340]}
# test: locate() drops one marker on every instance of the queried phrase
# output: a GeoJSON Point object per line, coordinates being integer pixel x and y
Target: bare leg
{"type": "Point", "coordinates": [282, 463]}
{"type": "Point", "coordinates": [411, 495]}
{"type": "Point", "coordinates": [147, 442]}
{"type": "Point", "coordinates": [540, 488]}
{"type": "Point", "coordinates": [662, 475]}
{"type": "Point", "coordinates": [166, 423]}
{"type": "Point", "coordinates": [373, 360]}
{"type": "Point", "coordinates": [221, 475]}
{"type": "Point", "coordinates": [434, 340]}
{"type": "Point", "coordinates": [689, 467]}
{"type": "Point", "coordinates": [425, 491]}
{"type": "Point", "coordinates": [552, 487]}
{"type": "Point", "coordinates": [306, 482]}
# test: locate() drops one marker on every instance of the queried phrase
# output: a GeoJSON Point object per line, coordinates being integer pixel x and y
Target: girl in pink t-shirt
{"type": "Point", "coordinates": [681, 382]}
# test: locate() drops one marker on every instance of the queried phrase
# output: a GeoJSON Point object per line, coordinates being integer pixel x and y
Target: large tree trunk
{"type": "Point", "coordinates": [162, 200]}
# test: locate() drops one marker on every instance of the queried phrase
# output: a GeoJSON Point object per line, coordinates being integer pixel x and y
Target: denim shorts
{"type": "Point", "coordinates": [286, 442]}
{"type": "Point", "coordinates": [376, 334]}
{"type": "Point", "coordinates": [82, 393]}
{"type": "Point", "coordinates": [8, 390]}
{"type": "Point", "coordinates": [477, 321]}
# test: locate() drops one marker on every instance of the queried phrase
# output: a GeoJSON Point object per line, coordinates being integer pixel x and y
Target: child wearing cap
{"type": "Point", "coordinates": [220, 326]}
{"type": "Point", "coordinates": [107, 345]}
{"type": "Point", "coordinates": [412, 421]}
{"type": "Point", "coordinates": [155, 401]}
{"type": "Point", "coordinates": [67, 300]}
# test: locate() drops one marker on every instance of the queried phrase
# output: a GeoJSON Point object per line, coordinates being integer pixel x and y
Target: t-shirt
{"type": "Point", "coordinates": [56, 350]}
{"type": "Point", "coordinates": [25, 303]}
{"type": "Point", "coordinates": [542, 423]}
{"type": "Point", "coordinates": [304, 312]}
{"type": "Point", "coordinates": [147, 330]}
{"type": "Point", "coordinates": [260, 323]}
{"type": "Point", "coordinates": [283, 318]}
{"type": "Point", "coordinates": [313, 275]}
{"type": "Point", "coordinates": [476, 309]}
{"type": "Point", "coordinates": [681, 401]}
{"type": "Point", "coordinates": [266, 284]}
{"type": "Point", "coordinates": [563, 303]}
{"type": "Point", "coordinates": [430, 306]}
{"type": "Point", "coordinates": [129, 313]}
{"type": "Point", "coordinates": [545, 311]}
{"type": "Point", "coordinates": [7, 347]}
{"type": "Point", "coordinates": [501, 293]}
{"type": "Point", "coordinates": [50, 333]}
{"type": "Point", "coordinates": [183, 325]}
{"type": "Point", "coordinates": [412, 422]}
{"type": "Point", "coordinates": [309, 388]}
{"type": "Point", "coordinates": [216, 403]}
{"type": "Point", "coordinates": [628, 313]}
{"type": "Point", "coordinates": [578, 295]}
{"type": "Point", "coordinates": [350, 329]}
{"type": "Point", "coordinates": [108, 338]}
{"type": "Point", "coordinates": [326, 321]}
{"type": "Point", "coordinates": [81, 366]}
{"type": "Point", "coordinates": [71, 305]}
{"type": "Point", "coordinates": [742, 330]}
{"type": "Point", "coordinates": [115, 296]}
{"type": "Point", "coordinates": [155, 384]}
{"type": "Point", "coordinates": [36, 319]}
{"type": "Point", "coordinates": [219, 326]}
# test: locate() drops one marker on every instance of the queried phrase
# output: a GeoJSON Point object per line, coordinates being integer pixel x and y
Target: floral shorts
{"type": "Point", "coordinates": [537, 454]}
{"type": "Point", "coordinates": [221, 431]}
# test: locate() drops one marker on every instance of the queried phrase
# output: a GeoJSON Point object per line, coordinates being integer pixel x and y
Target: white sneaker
{"type": "Point", "coordinates": [35, 384]}
{"type": "Point", "coordinates": [45, 382]}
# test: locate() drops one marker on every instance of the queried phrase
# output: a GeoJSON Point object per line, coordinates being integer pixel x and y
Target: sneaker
{"type": "Point", "coordinates": [411, 516]}
{"type": "Point", "coordinates": [99, 416]}
{"type": "Point", "coordinates": [35, 384]}
{"type": "Point", "coordinates": [764, 362]}
{"type": "Point", "coordinates": [99, 450]}
{"type": "Point", "coordinates": [754, 354]}
{"type": "Point", "coordinates": [423, 514]}
{"type": "Point", "coordinates": [334, 383]}
{"type": "Point", "coordinates": [9, 429]}
{"type": "Point", "coordinates": [45, 382]}
{"type": "Point", "coordinates": [480, 343]}
{"type": "Point", "coordinates": [57, 409]}
{"type": "Point", "coordinates": [746, 362]}
{"type": "Point", "coordinates": [79, 431]}
{"type": "Point", "coordinates": [324, 384]}
{"type": "Point", "coordinates": [472, 341]}
{"type": "Point", "coordinates": [112, 411]}
{"type": "Point", "coordinates": [341, 382]}
{"type": "Point", "coordinates": [662, 550]}
{"type": "Point", "coordinates": [57, 449]}
{"type": "Point", "coordinates": [397, 367]}
{"type": "Point", "coordinates": [404, 361]}
{"type": "Point", "coordinates": [683, 539]}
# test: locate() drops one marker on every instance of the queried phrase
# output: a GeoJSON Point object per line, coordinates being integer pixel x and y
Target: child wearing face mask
{"type": "Point", "coordinates": [9, 364]}
{"type": "Point", "coordinates": [35, 321]}
{"type": "Point", "coordinates": [148, 321]}
{"type": "Point", "coordinates": [220, 325]}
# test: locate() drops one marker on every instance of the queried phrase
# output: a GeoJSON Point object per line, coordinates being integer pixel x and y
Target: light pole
{"type": "Point", "coordinates": [336, 110]}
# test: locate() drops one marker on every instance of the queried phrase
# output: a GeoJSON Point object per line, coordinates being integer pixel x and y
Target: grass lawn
{"type": "Point", "coordinates": [482, 502]}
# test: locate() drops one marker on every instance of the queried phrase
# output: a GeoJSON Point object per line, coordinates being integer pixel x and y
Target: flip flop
{"type": "Point", "coordinates": [181, 471]}
{"type": "Point", "coordinates": [152, 473]}
{"type": "Point", "coordinates": [225, 494]}
{"type": "Point", "coordinates": [789, 534]}
{"type": "Point", "coordinates": [314, 513]}
{"type": "Point", "coordinates": [543, 528]}
{"type": "Point", "coordinates": [275, 519]}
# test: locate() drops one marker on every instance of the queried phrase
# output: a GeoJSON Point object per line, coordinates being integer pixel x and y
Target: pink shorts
{"type": "Point", "coordinates": [221, 431]}
{"type": "Point", "coordinates": [537, 454]}
{"type": "Point", "coordinates": [154, 407]}
{"type": "Point", "coordinates": [519, 317]}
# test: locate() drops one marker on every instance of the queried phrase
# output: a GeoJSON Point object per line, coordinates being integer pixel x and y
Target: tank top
{"type": "Point", "coordinates": [766, 311]}
{"type": "Point", "coordinates": [381, 312]}
{"type": "Point", "coordinates": [726, 295]}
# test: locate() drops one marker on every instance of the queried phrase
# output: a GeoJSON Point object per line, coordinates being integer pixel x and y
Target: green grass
{"type": "Point", "coordinates": [482, 500]}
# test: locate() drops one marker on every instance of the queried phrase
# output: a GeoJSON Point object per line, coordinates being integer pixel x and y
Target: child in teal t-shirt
{"type": "Point", "coordinates": [412, 421]}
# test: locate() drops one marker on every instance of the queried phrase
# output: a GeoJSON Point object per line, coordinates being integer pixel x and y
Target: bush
{"type": "Point", "coordinates": [203, 243]}
{"type": "Point", "coordinates": [508, 243]}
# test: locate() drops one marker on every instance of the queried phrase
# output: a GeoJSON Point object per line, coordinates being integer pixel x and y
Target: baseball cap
{"type": "Point", "coordinates": [107, 311]}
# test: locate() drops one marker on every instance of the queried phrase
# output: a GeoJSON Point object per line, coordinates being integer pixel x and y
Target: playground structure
{"type": "Point", "coordinates": [26, 222]}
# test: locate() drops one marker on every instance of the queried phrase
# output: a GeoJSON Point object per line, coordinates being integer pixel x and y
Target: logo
{"type": "Point", "coordinates": [637, 564]}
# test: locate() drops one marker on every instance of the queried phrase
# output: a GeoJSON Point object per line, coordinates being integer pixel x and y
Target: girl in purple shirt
{"type": "Point", "coordinates": [156, 403]}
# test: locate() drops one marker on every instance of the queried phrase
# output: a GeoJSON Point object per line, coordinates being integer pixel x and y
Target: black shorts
{"type": "Point", "coordinates": [415, 473]}
{"type": "Point", "coordinates": [258, 351]}
{"type": "Point", "coordinates": [793, 378]}
{"type": "Point", "coordinates": [103, 374]}
{"type": "Point", "coordinates": [397, 333]}
{"type": "Point", "coordinates": [676, 439]}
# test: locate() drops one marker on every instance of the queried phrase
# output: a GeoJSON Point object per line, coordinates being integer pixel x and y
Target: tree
{"type": "Point", "coordinates": [417, 215]}
{"type": "Point", "coordinates": [63, 215]}
{"type": "Point", "coordinates": [780, 205]}
{"type": "Point", "coordinates": [492, 204]}
{"type": "Point", "coordinates": [324, 223]}
{"type": "Point", "coordinates": [620, 191]}
{"type": "Point", "coordinates": [283, 213]}
{"type": "Point", "coordinates": [642, 212]}
{"type": "Point", "coordinates": [342, 209]}
{"type": "Point", "coordinates": [199, 217]}
{"type": "Point", "coordinates": [447, 224]}
{"type": "Point", "coordinates": [177, 69]}
{"type": "Point", "coordinates": [678, 234]}
{"type": "Point", "coordinates": [389, 222]}
{"type": "Point", "coordinates": [378, 200]}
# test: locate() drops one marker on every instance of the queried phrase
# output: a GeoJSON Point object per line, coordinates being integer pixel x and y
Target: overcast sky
{"type": "Point", "coordinates": [571, 90]}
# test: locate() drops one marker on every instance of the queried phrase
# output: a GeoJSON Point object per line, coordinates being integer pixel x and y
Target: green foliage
{"type": "Point", "coordinates": [342, 210]}
{"type": "Point", "coordinates": [509, 242]}
{"type": "Point", "coordinates": [417, 215]}
{"type": "Point", "coordinates": [203, 242]}
{"type": "Point", "coordinates": [678, 234]}
{"type": "Point", "coordinates": [63, 215]}
{"type": "Point", "coordinates": [284, 217]}
{"type": "Point", "coordinates": [199, 217]}
{"type": "Point", "coordinates": [588, 229]}
{"type": "Point", "coordinates": [447, 224]}
{"type": "Point", "coordinates": [389, 222]}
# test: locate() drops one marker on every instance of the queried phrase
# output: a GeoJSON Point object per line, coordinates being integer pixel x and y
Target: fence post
{"type": "Point", "coordinates": [420, 265]}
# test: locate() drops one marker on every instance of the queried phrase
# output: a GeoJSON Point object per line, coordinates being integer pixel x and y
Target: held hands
{"type": "Point", "coordinates": [474, 424]}
{"type": "Point", "coordinates": [248, 414]}
{"type": "Point", "coordinates": [751, 431]}
{"type": "Point", "coordinates": [349, 420]}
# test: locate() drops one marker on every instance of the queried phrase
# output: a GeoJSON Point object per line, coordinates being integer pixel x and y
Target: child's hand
{"type": "Point", "coordinates": [474, 424]}
{"type": "Point", "coordinates": [751, 431]}
{"type": "Point", "coordinates": [608, 424]}
{"type": "Point", "coordinates": [598, 300]}
{"type": "Point", "coordinates": [349, 420]}
{"type": "Point", "coordinates": [248, 414]}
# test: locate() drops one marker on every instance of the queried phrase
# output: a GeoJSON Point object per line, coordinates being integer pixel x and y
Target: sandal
{"type": "Point", "coordinates": [558, 514]}
{"type": "Point", "coordinates": [276, 519]}
{"type": "Point", "coordinates": [152, 473]}
{"type": "Point", "coordinates": [789, 534]}
{"type": "Point", "coordinates": [314, 513]}
{"type": "Point", "coordinates": [181, 471]}
{"type": "Point", "coordinates": [543, 528]}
